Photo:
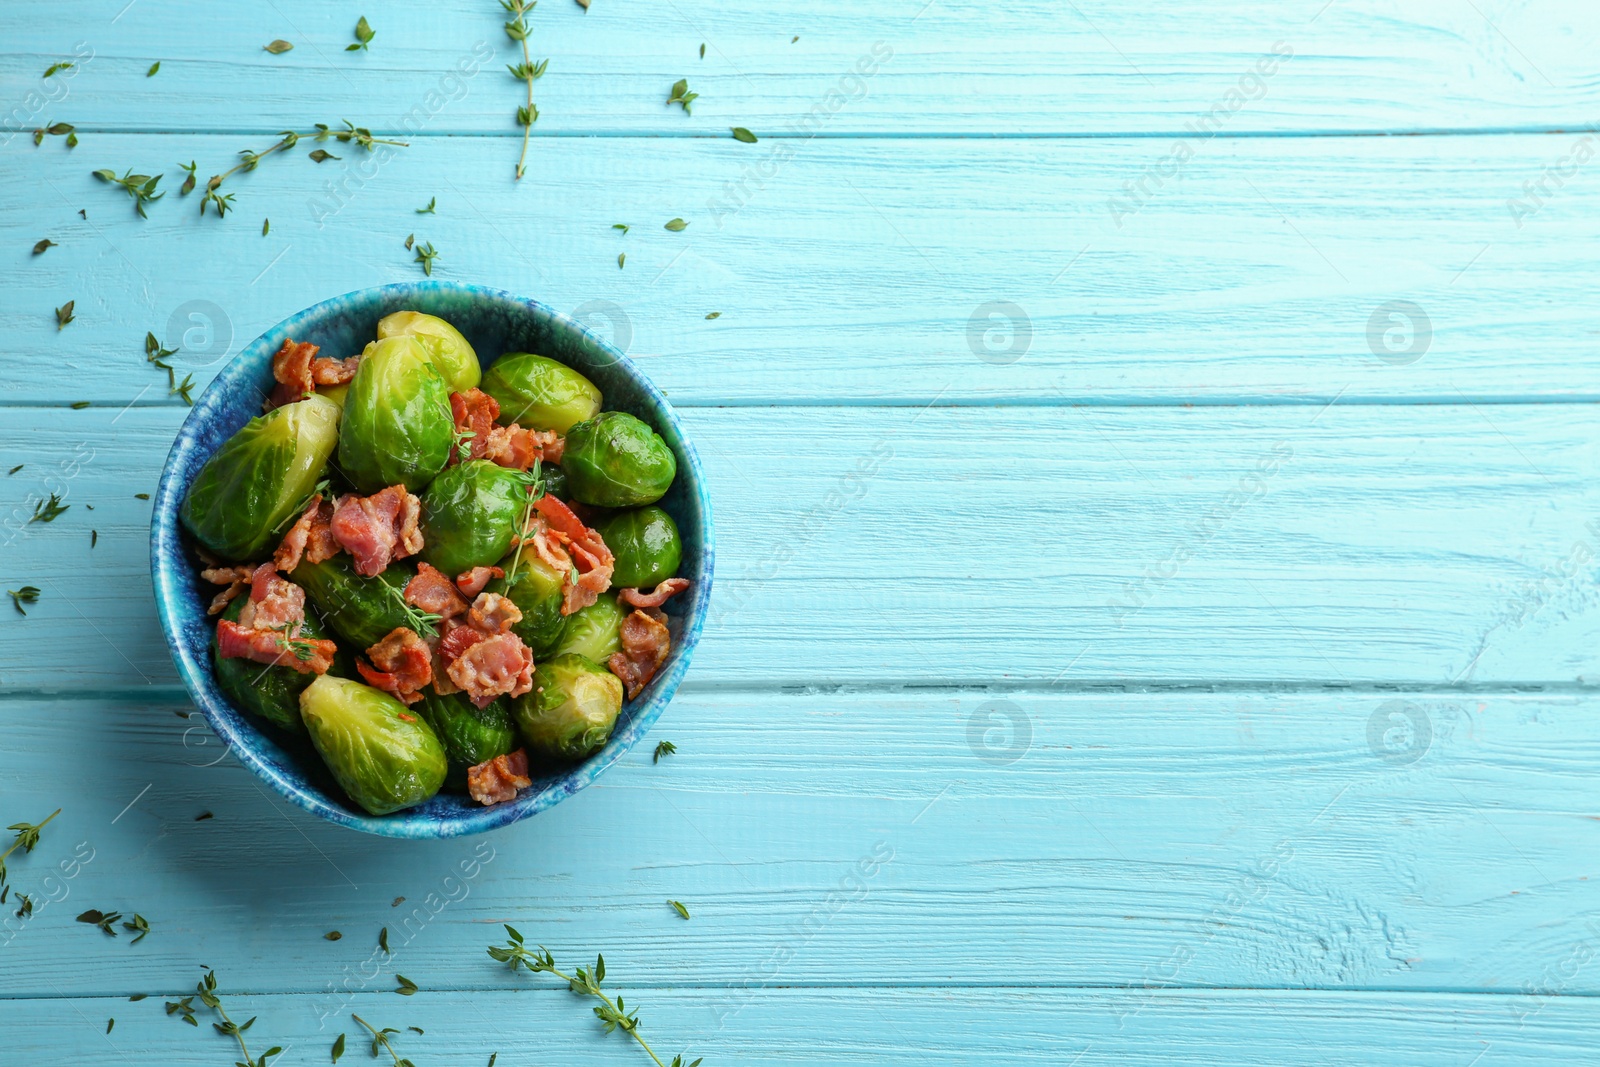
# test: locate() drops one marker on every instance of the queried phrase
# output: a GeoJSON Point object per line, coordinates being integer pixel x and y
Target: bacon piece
{"type": "Point", "coordinates": [472, 582]}
{"type": "Point", "coordinates": [275, 604]}
{"type": "Point", "coordinates": [456, 640]}
{"type": "Point", "coordinates": [515, 447]}
{"type": "Point", "coordinates": [589, 555]}
{"type": "Point", "coordinates": [235, 578]}
{"type": "Point", "coordinates": [492, 667]}
{"type": "Point", "coordinates": [497, 780]}
{"type": "Point", "coordinates": [326, 371]}
{"type": "Point", "coordinates": [493, 614]}
{"type": "Point", "coordinates": [434, 593]}
{"type": "Point", "coordinates": [309, 538]}
{"type": "Point", "coordinates": [645, 644]}
{"type": "Point", "coordinates": [274, 648]}
{"type": "Point", "coordinates": [291, 366]}
{"type": "Point", "coordinates": [474, 412]}
{"type": "Point", "coordinates": [378, 529]}
{"type": "Point", "coordinates": [638, 598]}
{"type": "Point", "coordinates": [404, 664]}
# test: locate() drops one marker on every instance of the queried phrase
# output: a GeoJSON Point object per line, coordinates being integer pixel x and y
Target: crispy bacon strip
{"type": "Point", "coordinates": [492, 614]}
{"type": "Point", "coordinates": [638, 598]}
{"type": "Point", "coordinates": [378, 529]}
{"type": "Point", "coordinates": [472, 582]}
{"type": "Point", "coordinates": [326, 371]}
{"type": "Point", "coordinates": [588, 554]}
{"type": "Point", "coordinates": [298, 370]}
{"type": "Point", "coordinates": [310, 538]}
{"type": "Point", "coordinates": [515, 447]}
{"type": "Point", "coordinates": [493, 666]}
{"type": "Point", "coordinates": [274, 648]}
{"type": "Point", "coordinates": [235, 578]}
{"type": "Point", "coordinates": [275, 604]}
{"type": "Point", "coordinates": [497, 780]}
{"type": "Point", "coordinates": [645, 644]}
{"type": "Point", "coordinates": [403, 662]}
{"type": "Point", "coordinates": [475, 412]}
{"type": "Point", "coordinates": [434, 593]}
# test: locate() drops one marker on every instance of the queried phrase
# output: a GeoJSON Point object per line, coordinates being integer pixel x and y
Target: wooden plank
{"type": "Point", "coordinates": [863, 272]}
{"type": "Point", "coordinates": [1032, 67]}
{"type": "Point", "coordinates": [1120, 546]}
{"type": "Point", "coordinates": [1359, 841]}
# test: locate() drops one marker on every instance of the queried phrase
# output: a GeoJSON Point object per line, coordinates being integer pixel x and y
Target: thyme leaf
{"type": "Point", "coordinates": [28, 594]}
{"type": "Point", "coordinates": [681, 95]}
{"type": "Point", "coordinates": [665, 748]}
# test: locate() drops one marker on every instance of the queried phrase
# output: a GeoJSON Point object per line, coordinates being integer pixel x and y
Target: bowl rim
{"type": "Point", "coordinates": [166, 559]}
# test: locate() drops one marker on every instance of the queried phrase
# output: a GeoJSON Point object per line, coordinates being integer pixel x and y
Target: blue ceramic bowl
{"type": "Point", "coordinates": [494, 322]}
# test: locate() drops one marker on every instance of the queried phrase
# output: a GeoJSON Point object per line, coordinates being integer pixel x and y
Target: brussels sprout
{"type": "Point", "coordinates": [335, 393]}
{"type": "Point", "coordinates": [273, 693]}
{"type": "Point", "coordinates": [570, 712]}
{"type": "Point", "coordinates": [385, 756]}
{"type": "Point", "coordinates": [398, 429]}
{"type": "Point", "coordinates": [539, 393]}
{"type": "Point", "coordinates": [447, 350]}
{"type": "Point", "coordinates": [615, 461]}
{"type": "Point", "coordinates": [646, 544]}
{"type": "Point", "coordinates": [555, 481]}
{"type": "Point", "coordinates": [535, 588]}
{"type": "Point", "coordinates": [593, 632]}
{"type": "Point", "coordinates": [469, 515]}
{"type": "Point", "coordinates": [260, 478]}
{"type": "Point", "coordinates": [360, 610]}
{"type": "Point", "coordinates": [469, 734]}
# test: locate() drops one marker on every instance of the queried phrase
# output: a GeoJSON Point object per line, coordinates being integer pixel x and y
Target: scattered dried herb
{"type": "Point", "coordinates": [380, 1039]}
{"type": "Point", "coordinates": [433, 202]}
{"type": "Point", "coordinates": [623, 226]}
{"type": "Point", "coordinates": [28, 594]}
{"type": "Point", "coordinates": [78, 405]}
{"type": "Point", "coordinates": [249, 160]}
{"type": "Point", "coordinates": [206, 990]}
{"type": "Point", "coordinates": [203, 816]}
{"type": "Point", "coordinates": [64, 315]}
{"type": "Point", "coordinates": [426, 254]}
{"type": "Point", "coordinates": [713, 315]}
{"type": "Point", "coordinates": [142, 187]}
{"type": "Point", "coordinates": [154, 67]}
{"type": "Point", "coordinates": [681, 95]}
{"type": "Point", "coordinates": [94, 538]}
{"type": "Point", "coordinates": [526, 72]}
{"type": "Point", "coordinates": [742, 134]}
{"type": "Point", "coordinates": [140, 925]}
{"type": "Point", "coordinates": [14, 470]}
{"type": "Point", "coordinates": [332, 935]}
{"type": "Point", "coordinates": [677, 906]}
{"type": "Point", "coordinates": [364, 36]}
{"type": "Point", "coordinates": [53, 68]}
{"type": "Point", "coordinates": [157, 355]}
{"type": "Point", "coordinates": [109, 1024]}
{"type": "Point", "coordinates": [278, 47]}
{"type": "Point", "coordinates": [266, 224]}
{"type": "Point", "coordinates": [612, 1013]}
{"type": "Point", "coordinates": [48, 510]}
{"type": "Point", "coordinates": [622, 257]}
{"type": "Point", "coordinates": [57, 129]}
{"type": "Point", "coordinates": [702, 49]}
{"type": "Point", "coordinates": [407, 986]}
{"type": "Point", "coordinates": [338, 1048]}
{"type": "Point", "coordinates": [39, 248]}
{"type": "Point", "coordinates": [27, 833]}
{"type": "Point", "coordinates": [383, 939]}
{"type": "Point", "coordinates": [677, 225]}
{"type": "Point", "coordinates": [141, 496]}
{"type": "Point", "coordinates": [396, 902]}
{"type": "Point", "coordinates": [411, 239]}
{"type": "Point", "coordinates": [321, 155]}
{"type": "Point", "coordinates": [665, 748]}
{"type": "Point", "coordinates": [102, 919]}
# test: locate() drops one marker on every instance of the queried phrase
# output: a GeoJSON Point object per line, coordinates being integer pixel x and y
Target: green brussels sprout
{"type": "Point", "coordinates": [469, 734]}
{"type": "Point", "coordinates": [272, 693]}
{"type": "Point", "coordinates": [646, 544]}
{"type": "Point", "coordinates": [382, 754]}
{"type": "Point", "coordinates": [335, 393]}
{"type": "Point", "coordinates": [447, 350]}
{"type": "Point", "coordinates": [398, 429]}
{"type": "Point", "coordinates": [555, 481]}
{"type": "Point", "coordinates": [571, 710]}
{"type": "Point", "coordinates": [260, 478]}
{"type": "Point", "coordinates": [469, 515]}
{"type": "Point", "coordinates": [360, 610]}
{"type": "Point", "coordinates": [593, 632]}
{"type": "Point", "coordinates": [535, 588]}
{"type": "Point", "coordinates": [615, 461]}
{"type": "Point", "coordinates": [538, 393]}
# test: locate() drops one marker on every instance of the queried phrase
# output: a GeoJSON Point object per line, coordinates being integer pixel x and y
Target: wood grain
{"type": "Point", "coordinates": [1358, 841]}
{"type": "Point", "coordinates": [1032, 67]}
{"type": "Point", "coordinates": [863, 271]}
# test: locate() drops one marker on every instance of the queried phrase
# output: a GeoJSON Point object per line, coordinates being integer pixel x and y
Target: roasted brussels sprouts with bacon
{"type": "Point", "coordinates": [398, 429]}
{"type": "Point", "coordinates": [383, 755]}
{"type": "Point", "coordinates": [573, 706]}
{"type": "Point", "coordinates": [615, 461]}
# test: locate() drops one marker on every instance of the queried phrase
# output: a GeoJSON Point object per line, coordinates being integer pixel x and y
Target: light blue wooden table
{"type": "Point", "coordinates": [1156, 616]}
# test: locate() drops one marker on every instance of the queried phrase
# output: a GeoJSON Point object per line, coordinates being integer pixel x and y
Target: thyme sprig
{"type": "Point", "coordinates": [28, 594]}
{"type": "Point", "coordinates": [206, 990]}
{"type": "Point", "coordinates": [426, 254]}
{"type": "Point", "coordinates": [57, 129]}
{"type": "Point", "coordinates": [527, 71]}
{"type": "Point", "coordinates": [155, 354]}
{"type": "Point", "coordinates": [533, 482]}
{"type": "Point", "coordinates": [612, 1012]}
{"type": "Point", "coordinates": [48, 510]}
{"type": "Point", "coordinates": [27, 833]}
{"type": "Point", "coordinates": [664, 748]}
{"type": "Point", "coordinates": [64, 315]}
{"type": "Point", "coordinates": [422, 623]}
{"type": "Point", "coordinates": [142, 187]}
{"type": "Point", "coordinates": [380, 1039]}
{"type": "Point", "coordinates": [249, 160]}
{"type": "Point", "coordinates": [364, 36]}
{"type": "Point", "coordinates": [681, 95]}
